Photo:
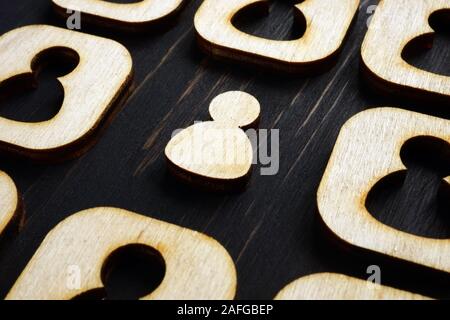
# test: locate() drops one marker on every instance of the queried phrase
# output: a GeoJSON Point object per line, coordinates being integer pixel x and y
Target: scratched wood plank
{"type": "Point", "coordinates": [271, 230]}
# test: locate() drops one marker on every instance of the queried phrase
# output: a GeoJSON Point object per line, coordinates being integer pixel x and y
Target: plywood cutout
{"type": "Point", "coordinates": [395, 24]}
{"type": "Point", "coordinates": [368, 150]}
{"type": "Point", "coordinates": [128, 16]}
{"type": "Point", "coordinates": [10, 208]}
{"type": "Point", "coordinates": [197, 267]}
{"type": "Point", "coordinates": [98, 83]}
{"type": "Point", "coordinates": [217, 154]}
{"type": "Point", "coordinates": [327, 23]}
{"type": "Point", "coordinates": [331, 286]}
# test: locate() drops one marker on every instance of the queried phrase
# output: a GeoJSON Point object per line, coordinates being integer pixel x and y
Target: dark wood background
{"type": "Point", "coordinates": [272, 229]}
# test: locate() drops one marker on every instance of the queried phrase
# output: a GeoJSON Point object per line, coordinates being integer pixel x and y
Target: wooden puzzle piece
{"type": "Point", "coordinates": [10, 209]}
{"type": "Point", "coordinates": [368, 150]}
{"type": "Point", "coordinates": [217, 154]}
{"type": "Point", "coordinates": [327, 23]}
{"type": "Point", "coordinates": [197, 266]}
{"type": "Point", "coordinates": [331, 286]}
{"type": "Point", "coordinates": [127, 16]}
{"type": "Point", "coordinates": [100, 80]}
{"type": "Point", "coordinates": [394, 27]}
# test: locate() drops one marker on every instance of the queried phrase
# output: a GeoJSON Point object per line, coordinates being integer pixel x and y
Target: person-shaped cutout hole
{"type": "Point", "coordinates": [38, 96]}
{"type": "Point", "coordinates": [129, 273]}
{"type": "Point", "coordinates": [430, 52]}
{"type": "Point", "coordinates": [326, 26]}
{"type": "Point", "coordinates": [93, 91]}
{"type": "Point", "coordinates": [273, 20]}
{"type": "Point", "coordinates": [217, 154]}
{"type": "Point", "coordinates": [87, 260]}
{"type": "Point", "coordinates": [416, 200]}
{"type": "Point", "coordinates": [371, 148]}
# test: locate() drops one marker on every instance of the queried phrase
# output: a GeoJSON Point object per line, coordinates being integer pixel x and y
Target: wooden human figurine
{"type": "Point", "coordinates": [217, 154]}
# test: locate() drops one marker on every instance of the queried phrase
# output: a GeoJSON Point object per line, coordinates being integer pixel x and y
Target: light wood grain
{"type": "Point", "coordinates": [197, 267]}
{"type": "Point", "coordinates": [132, 16]}
{"type": "Point", "coordinates": [9, 201]}
{"type": "Point", "coordinates": [327, 23]}
{"type": "Point", "coordinates": [217, 154]}
{"type": "Point", "coordinates": [331, 286]}
{"type": "Point", "coordinates": [303, 108]}
{"type": "Point", "coordinates": [395, 24]}
{"type": "Point", "coordinates": [100, 79]}
{"type": "Point", "coordinates": [368, 150]}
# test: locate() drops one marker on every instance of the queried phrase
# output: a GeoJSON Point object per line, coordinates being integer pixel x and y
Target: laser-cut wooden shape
{"type": "Point", "coordinates": [368, 150]}
{"type": "Point", "coordinates": [100, 80]}
{"type": "Point", "coordinates": [197, 266]}
{"type": "Point", "coordinates": [10, 209]}
{"type": "Point", "coordinates": [217, 154]}
{"type": "Point", "coordinates": [395, 24]}
{"type": "Point", "coordinates": [331, 286]}
{"type": "Point", "coordinates": [127, 16]}
{"type": "Point", "coordinates": [327, 23]}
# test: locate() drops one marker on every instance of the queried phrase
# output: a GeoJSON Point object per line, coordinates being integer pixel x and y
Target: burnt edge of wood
{"type": "Point", "coordinates": [364, 254]}
{"type": "Point", "coordinates": [166, 21]}
{"type": "Point", "coordinates": [16, 224]}
{"type": "Point", "coordinates": [208, 184]}
{"type": "Point", "coordinates": [410, 94]}
{"type": "Point", "coordinates": [246, 59]}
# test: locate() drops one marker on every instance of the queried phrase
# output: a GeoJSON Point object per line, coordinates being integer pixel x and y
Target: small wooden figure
{"type": "Point", "coordinates": [330, 286]}
{"type": "Point", "coordinates": [196, 266]}
{"type": "Point", "coordinates": [91, 91]}
{"type": "Point", "coordinates": [366, 151]}
{"type": "Point", "coordinates": [327, 23]}
{"type": "Point", "coordinates": [217, 154]}
{"type": "Point", "coordinates": [396, 25]}
{"type": "Point", "coordinates": [125, 16]}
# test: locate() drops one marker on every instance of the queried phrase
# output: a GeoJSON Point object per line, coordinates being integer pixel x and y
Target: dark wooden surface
{"type": "Point", "coordinates": [271, 230]}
